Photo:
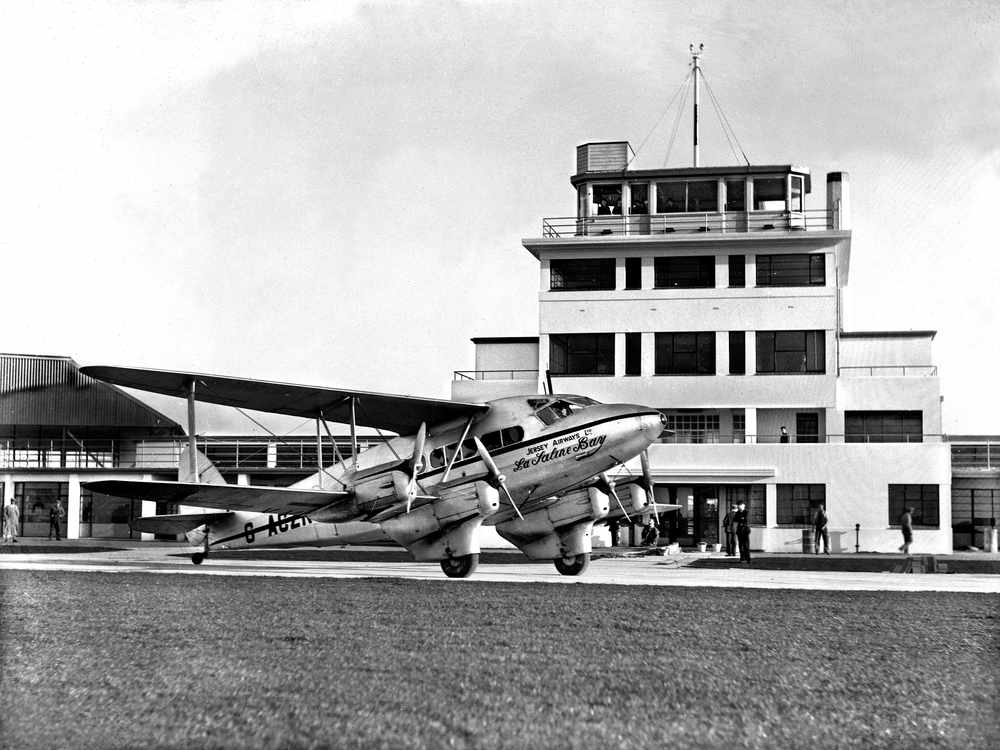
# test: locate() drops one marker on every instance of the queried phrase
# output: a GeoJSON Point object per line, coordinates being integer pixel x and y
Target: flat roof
{"type": "Point", "coordinates": [737, 169]}
{"type": "Point", "coordinates": [887, 334]}
{"type": "Point", "coordinates": [505, 340]}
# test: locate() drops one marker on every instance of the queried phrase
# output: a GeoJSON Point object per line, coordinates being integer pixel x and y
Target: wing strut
{"type": "Point", "coordinates": [192, 434]}
{"type": "Point", "coordinates": [454, 456]}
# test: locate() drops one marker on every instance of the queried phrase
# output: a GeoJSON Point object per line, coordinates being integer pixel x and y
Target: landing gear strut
{"type": "Point", "coordinates": [460, 567]}
{"type": "Point", "coordinates": [573, 565]}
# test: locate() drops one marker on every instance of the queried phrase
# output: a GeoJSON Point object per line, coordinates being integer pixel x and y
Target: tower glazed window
{"type": "Point", "coordinates": [582, 353]}
{"type": "Point", "coordinates": [582, 274]}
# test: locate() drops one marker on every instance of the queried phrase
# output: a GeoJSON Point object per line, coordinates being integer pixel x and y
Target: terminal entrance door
{"type": "Point", "coordinates": [698, 517]}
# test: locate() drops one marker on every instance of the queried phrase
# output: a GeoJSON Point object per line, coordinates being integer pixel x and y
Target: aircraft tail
{"type": "Point", "coordinates": [207, 472]}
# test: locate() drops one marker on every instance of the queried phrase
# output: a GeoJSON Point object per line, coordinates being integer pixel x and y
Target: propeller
{"type": "Point", "coordinates": [497, 479]}
{"type": "Point", "coordinates": [607, 485]}
{"type": "Point", "coordinates": [416, 465]}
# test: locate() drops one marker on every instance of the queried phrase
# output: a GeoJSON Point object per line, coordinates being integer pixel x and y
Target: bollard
{"type": "Point", "coordinates": [857, 537]}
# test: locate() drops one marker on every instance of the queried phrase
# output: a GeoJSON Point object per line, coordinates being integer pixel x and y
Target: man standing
{"type": "Point", "coordinates": [729, 526]}
{"type": "Point", "coordinates": [56, 515]}
{"type": "Point", "coordinates": [743, 532]}
{"type": "Point", "coordinates": [906, 526]}
{"type": "Point", "coordinates": [819, 523]}
{"type": "Point", "coordinates": [11, 522]}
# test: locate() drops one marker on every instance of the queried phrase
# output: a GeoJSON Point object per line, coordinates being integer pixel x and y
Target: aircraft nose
{"type": "Point", "coordinates": [651, 424]}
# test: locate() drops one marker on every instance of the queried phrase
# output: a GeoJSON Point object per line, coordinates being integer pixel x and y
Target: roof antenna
{"type": "Point", "coordinates": [695, 54]}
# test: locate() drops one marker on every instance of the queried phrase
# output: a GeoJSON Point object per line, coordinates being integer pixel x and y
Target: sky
{"type": "Point", "coordinates": [335, 194]}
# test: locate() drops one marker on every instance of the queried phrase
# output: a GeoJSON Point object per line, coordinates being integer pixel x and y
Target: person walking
{"type": "Point", "coordinates": [56, 515]}
{"type": "Point", "coordinates": [11, 522]}
{"type": "Point", "coordinates": [819, 524]}
{"type": "Point", "coordinates": [729, 526]}
{"type": "Point", "coordinates": [743, 532]}
{"type": "Point", "coordinates": [906, 526]}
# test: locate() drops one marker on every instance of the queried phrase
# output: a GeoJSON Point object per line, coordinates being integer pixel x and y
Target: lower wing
{"type": "Point", "coordinates": [179, 523]}
{"type": "Point", "coordinates": [290, 500]}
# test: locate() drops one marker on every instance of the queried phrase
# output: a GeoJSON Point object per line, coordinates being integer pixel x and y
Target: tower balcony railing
{"type": "Point", "coordinates": [717, 437]}
{"type": "Point", "coordinates": [496, 375]}
{"type": "Point", "coordinates": [688, 223]}
{"type": "Point", "coordinates": [889, 371]}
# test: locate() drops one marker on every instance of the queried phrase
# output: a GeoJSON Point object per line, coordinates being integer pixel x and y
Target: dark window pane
{"type": "Point", "coordinates": [670, 197]}
{"type": "Point", "coordinates": [797, 502]}
{"type": "Point", "coordinates": [799, 269]}
{"type": "Point", "coordinates": [640, 199]}
{"type": "Point", "coordinates": [736, 195]}
{"type": "Point", "coordinates": [737, 270]}
{"type": "Point", "coordinates": [769, 194]}
{"type": "Point", "coordinates": [633, 353]}
{"type": "Point", "coordinates": [703, 196]}
{"type": "Point", "coordinates": [582, 274]}
{"type": "Point", "coordinates": [883, 426]}
{"type": "Point", "coordinates": [685, 353]}
{"type": "Point", "coordinates": [582, 354]}
{"type": "Point", "coordinates": [923, 498]}
{"type": "Point", "coordinates": [684, 272]}
{"type": "Point", "coordinates": [737, 353]}
{"type": "Point", "coordinates": [608, 199]}
{"type": "Point", "coordinates": [633, 273]}
{"type": "Point", "coordinates": [791, 352]}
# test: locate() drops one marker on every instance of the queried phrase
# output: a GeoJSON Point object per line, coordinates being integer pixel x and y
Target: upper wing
{"type": "Point", "coordinates": [228, 496]}
{"type": "Point", "coordinates": [401, 414]}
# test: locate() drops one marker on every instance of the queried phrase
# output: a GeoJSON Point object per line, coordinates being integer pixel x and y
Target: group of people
{"type": "Point", "coordinates": [736, 524]}
{"type": "Point", "coordinates": [11, 521]}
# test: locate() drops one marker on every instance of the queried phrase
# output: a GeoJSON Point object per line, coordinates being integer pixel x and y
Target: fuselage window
{"type": "Point", "coordinates": [437, 458]}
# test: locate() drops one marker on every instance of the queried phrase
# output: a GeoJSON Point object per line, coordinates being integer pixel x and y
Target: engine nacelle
{"type": "Point", "coordinates": [560, 529]}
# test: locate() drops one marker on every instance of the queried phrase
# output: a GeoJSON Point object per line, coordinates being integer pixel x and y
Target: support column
{"type": "Point", "coordinates": [648, 274]}
{"type": "Point", "coordinates": [750, 424]}
{"type": "Point", "coordinates": [545, 273]}
{"type": "Point", "coordinates": [619, 273]}
{"type": "Point", "coordinates": [648, 362]}
{"type": "Point", "coordinates": [192, 435]}
{"type": "Point", "coordinates": [148, 509]}
{"type": "Point", "coordinates": [771, 505]}
{"type": "Point", "coordinates": [73, 507]}
{"type": "Point", "coordinates": [750, 354]}
{"type": "Point", "coordinates": [619, 355]}
{"type": "Point", "coordinates": [721, 271]}
{"type": "Point", "coordinates": [722, 352]}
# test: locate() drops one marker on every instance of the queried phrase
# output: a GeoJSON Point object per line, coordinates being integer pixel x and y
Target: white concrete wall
{"type": "Point", "coordinates": [506, 356]}
{"type": "Point", "coordinates": [857, 478]}
{"type": "Point", "coordinates": [893, 394]}
{"type": "Point", "coordinates": [885, 350]}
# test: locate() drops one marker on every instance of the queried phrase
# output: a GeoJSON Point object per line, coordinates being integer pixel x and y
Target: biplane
{"type": "Point", "coordinates": [536, 467]}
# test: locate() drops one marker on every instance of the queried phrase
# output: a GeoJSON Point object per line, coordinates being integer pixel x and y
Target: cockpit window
{"type": "Point", "coordinates": [553, 409]}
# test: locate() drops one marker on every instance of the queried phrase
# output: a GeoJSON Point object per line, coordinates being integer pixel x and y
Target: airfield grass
{"type": "Point", "coordinates": [140, 660]}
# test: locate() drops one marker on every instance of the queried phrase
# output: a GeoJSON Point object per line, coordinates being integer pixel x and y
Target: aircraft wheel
{"type": "Point", "coordinates": [460, 567]}
{"type": "Point", "coordinates": [197, 558]}
{"type": "Point", "coordinates": [573, 565]}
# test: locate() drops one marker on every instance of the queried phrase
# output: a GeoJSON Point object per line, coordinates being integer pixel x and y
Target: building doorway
{"type": "Point", "coordinates": [697, 520]}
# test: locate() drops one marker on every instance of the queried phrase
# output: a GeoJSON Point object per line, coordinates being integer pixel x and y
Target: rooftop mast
{"type": "Point", "coordinates": [695, 54]}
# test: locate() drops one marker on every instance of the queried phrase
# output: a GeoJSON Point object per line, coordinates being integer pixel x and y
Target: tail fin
{"type": "Point", "coordinates": [207, 473]}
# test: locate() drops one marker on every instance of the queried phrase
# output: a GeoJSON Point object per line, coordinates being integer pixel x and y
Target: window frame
{"type": "Point", "coordinates": [811, 355]}
{"type": "Point", "coordinates": [701, 276]}
{"type": "Point", "coordinates": [737, 280]}
{"type": "Point", "coordinates": [873, 428]}
{"type": "Point", "coordinates": [701, 368]}
{"type": "Point", "coordinates": [602, 345]}
{"type": "Point", "coordinates": [787, 274]}
{"type": "Point", "coordinates": [633, 272]}
{"type": "Point", "coordinates": [633, 354]}
{"type": "Point", "coordinates": [815, 494]}
{"type": "Point", "coordinates": [603, 275]}
{"type": "Point", "coordinates": [900, 496]}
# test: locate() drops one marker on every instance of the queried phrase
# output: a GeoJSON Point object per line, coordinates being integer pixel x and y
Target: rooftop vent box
{"type": "Point", "coordinates": [610, 156]}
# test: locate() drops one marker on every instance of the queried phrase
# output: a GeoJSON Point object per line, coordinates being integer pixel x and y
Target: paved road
{"type": "Point", "coordinates": [642, 571]}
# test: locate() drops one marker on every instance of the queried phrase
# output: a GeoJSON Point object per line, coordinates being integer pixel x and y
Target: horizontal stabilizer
{"type": "Point", "coordinates": [230, 496]}
{"type": "Point", "coordinates": [179, 523]}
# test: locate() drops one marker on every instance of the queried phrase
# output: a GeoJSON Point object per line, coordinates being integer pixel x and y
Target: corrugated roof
{"type": "Point", "coordinates": [51, 391]}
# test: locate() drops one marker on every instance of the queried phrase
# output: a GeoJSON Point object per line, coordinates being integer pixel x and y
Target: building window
{"type": "Point", "coordinates": [684, 272]}
{"type": "Point", "coordinates": [783, 352]}
{"type": "Point", "coordinates": [797, 503]}
{"type": "Point", "coordinates": [807, 427]}
{"type": "Point", "coordinates": [754, 496]}
{"type": "Point", "coordinates": [701, 196]}
{"type": "Point", "coordinates": [739, 428]}
{"type": "Point", "coordinates": [973, 507]}
{"type": "Point", "coordinates": [799, 269]}
{"type": "Point", "coordinates": [685, 353]}
{"type": "Point", "coordinates": [582, 353]}
{"type": "Point", "coordinates": [582, 274]}
{"type": "Point", "coordinates": [633, 273]}
{"type": "Point", "coordinates": [923, 498]}
{"type": "Point", "coordinates": [35, 500]}
{"type": "Point", "coordinates": [608, 199]}
{"type": "Point", "coordinates": [692, 428]}
{"type": "Point", "coordinates": [769, 194]}
{"type": "Point", "coordinates": [883, 427]}
{"type": "Point", "coordinates": [736, 195]}
{"type": "Point", "coordinates": [737, 353]}
{"type": "Point", "coordinates": [796, 196]}
{"type": "Point", "coordinates": [737, 271]}
{"type": "Point", "coordinates": [109, 517]}
{"type": "Point", "coordinates": [640, 199]}
{"type": "Point", "coordinates": [633, 353]}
